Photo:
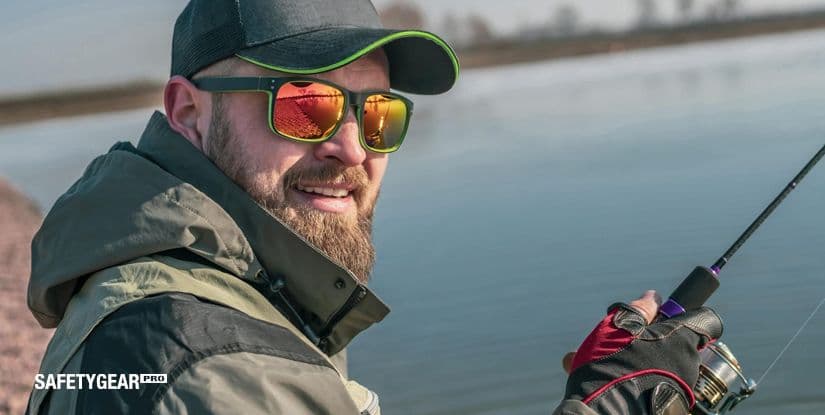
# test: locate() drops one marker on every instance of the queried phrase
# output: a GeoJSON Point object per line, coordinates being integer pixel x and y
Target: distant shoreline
{"type": "Point", "coordinates": [109, 98]}
{"type": "Point", "coordinates": [511, 51]}
{"type": "Point", "coordinates": [141, 94]}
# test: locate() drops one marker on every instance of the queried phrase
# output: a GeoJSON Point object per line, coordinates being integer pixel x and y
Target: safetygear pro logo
{"type": "Point", "coordinates": [96, 381]}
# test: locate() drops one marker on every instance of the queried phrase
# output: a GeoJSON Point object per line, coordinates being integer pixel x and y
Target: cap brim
{"type": "Point", "coordinates": [420, 62]}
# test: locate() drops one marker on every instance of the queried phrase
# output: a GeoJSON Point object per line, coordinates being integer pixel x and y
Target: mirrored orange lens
{"type": "Point", "coordinates": [385, 119]}
{"type": "Point", "coordinates": [307, 110]}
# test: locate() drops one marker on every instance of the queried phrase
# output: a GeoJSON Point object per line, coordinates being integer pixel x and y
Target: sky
{"type": "Point", "coordinates": [59, 44]}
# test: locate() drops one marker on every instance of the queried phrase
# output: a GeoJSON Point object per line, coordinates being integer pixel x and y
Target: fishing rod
{"type": "Point", "coordinates": [721, 385]}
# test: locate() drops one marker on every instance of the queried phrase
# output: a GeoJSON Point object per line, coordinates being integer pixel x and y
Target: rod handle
{"type": "Point", "coordinates": [691, 293]}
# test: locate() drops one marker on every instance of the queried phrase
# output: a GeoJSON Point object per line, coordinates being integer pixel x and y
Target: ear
{"type": "Point", "coordinates": [186, 110]}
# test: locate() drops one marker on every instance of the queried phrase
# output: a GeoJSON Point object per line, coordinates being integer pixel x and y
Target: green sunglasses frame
{"type": "Point", "coordinates": [270, 86]}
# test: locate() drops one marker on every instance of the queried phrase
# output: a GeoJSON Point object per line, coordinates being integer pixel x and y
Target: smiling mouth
{"type": "Point", "coordinates": [325, 190]}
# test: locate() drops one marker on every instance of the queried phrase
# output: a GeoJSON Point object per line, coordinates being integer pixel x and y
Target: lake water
{"type": "Point", "coordinates": [533, 196]}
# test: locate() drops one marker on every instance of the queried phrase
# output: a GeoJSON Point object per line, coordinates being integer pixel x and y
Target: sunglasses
{"type": "Point", "coordinates": [311, 110]}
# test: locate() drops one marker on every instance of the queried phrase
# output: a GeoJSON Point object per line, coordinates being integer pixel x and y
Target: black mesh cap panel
{"type": "Point", "coordinates": [205, 32]}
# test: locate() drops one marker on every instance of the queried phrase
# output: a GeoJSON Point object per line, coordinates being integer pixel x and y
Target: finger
{"type": "Point", "coordinates": [648, 305]}
{"type": "Point", "coordinates": [703, 322]}
{"type": "Point", "coordinates": [567, 362]}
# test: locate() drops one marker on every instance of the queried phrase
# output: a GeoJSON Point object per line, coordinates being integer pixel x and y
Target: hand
{"type": "Point", "coordinates": [648, 305]}
{"type": "Point", "coordinates": [630, 364]}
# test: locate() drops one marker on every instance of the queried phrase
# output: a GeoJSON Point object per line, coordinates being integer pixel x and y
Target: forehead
{"type": "Point", "coordinates": [370, 71]}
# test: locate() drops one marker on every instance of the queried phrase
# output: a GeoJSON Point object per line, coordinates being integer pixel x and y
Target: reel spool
{"type": "Point", "coordinates": [721, 385]}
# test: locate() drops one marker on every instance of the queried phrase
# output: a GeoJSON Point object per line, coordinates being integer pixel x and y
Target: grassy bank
{"type": "Point", "coordinates": [23, 341]}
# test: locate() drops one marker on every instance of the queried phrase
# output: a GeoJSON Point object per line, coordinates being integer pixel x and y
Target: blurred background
{"type": "Point", "coordinates": [590, 151]}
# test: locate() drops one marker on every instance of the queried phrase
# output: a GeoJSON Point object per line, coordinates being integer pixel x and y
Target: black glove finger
{"type": "Point", "coordinates": [628, 317]}
{"type": "Point", "coordinates": [700, 326]}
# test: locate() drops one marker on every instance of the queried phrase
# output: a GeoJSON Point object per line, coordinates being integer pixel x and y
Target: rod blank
{"type": "Point", "coordinates": [765, 213]}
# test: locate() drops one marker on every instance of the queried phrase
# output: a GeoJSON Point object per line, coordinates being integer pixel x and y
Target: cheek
{"type": "Point", "coordinates": [376, 166]}
{"type": "Point", "coordinates": [265, 154]}
{"type": "Point", "coordinates": [270, 158]}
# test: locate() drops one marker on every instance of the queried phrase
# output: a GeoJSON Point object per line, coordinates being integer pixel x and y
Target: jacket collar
{"type": "Point", "coordinates": [329, 301]}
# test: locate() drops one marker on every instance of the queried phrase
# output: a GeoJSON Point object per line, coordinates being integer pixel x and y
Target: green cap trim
{"type": "Point", "coordinates": [372, 46]}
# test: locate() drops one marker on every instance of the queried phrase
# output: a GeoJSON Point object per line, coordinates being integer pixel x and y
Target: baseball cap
{"type": "Point", "coordinates": [308, 37]}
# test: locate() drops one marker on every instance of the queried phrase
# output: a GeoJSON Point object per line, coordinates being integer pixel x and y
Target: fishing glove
{"type": "Point", "coordinates": [626, 366]}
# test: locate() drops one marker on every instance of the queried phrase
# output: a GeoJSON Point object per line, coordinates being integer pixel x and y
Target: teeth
{"type": "Point", "coordinates": [324, 191]}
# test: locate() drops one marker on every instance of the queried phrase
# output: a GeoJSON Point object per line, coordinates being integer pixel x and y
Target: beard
{"type": "Point", "coordinates": [344, 238]}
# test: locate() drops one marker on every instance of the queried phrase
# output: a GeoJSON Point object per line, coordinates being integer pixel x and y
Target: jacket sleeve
{"type": "Point", "coordinates": [251, 383]}
{"type": "Point", "coordinates": [573, 407]}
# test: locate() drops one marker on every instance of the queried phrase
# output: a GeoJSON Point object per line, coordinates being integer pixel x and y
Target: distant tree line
{"type": "Point", "coordinates": [458, 30]}
{"type": "Point", "coordinates": [563, 21]}
{"type": "Point", "coordinates": [688, 12]}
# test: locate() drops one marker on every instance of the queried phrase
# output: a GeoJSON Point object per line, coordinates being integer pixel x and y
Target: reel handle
{"type": "Point", "coordinates": [691, 293]}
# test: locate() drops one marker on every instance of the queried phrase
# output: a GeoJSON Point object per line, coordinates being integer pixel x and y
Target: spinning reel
{"type": "Point", "coordinates": [721, 385]}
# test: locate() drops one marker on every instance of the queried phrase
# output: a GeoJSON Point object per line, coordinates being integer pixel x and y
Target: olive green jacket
{"type": "Point", "coordinates": [142, 223]}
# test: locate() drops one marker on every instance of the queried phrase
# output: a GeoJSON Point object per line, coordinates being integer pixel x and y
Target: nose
{"type": "Point", "coordinates": [344, 146]}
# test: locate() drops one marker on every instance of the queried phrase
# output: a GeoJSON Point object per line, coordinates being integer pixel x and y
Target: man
{"type": "Point", "coordinates": [231, 249]}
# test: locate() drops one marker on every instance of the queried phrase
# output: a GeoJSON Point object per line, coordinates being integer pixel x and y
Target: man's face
{"type": "Point", "coordinates": [326, 192]}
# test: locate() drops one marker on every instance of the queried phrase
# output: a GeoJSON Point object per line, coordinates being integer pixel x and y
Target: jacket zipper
{"type": "Point", "coordinates": [359, 294]}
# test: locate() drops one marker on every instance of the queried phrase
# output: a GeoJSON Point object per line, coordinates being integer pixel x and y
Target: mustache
{"type": "Point", "coordinates": [329, 172]}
